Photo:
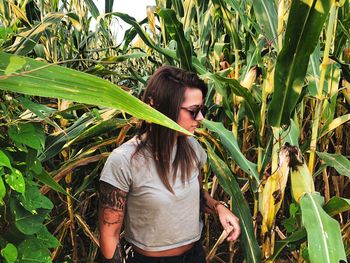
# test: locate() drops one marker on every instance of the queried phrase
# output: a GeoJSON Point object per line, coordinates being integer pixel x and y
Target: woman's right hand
{"type": "Point", "coordinates": [229, 222]}
{"type": "Point", "coordinates": [118, 256]}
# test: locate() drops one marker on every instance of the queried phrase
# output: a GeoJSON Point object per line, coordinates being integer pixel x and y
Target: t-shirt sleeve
{"type": "Point", "coordinates": [117, 171]}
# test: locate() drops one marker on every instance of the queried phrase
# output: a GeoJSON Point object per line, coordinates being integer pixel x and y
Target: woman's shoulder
{"type": "Point", "coordinates": [194, 142]}
{"type": "Point", "coordinates": [197, 147]}
{"type": "Point", "coordinates": [125, 150]}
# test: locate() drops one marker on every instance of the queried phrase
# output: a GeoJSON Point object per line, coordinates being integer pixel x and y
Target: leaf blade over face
{"type": "Point", "coordinates": [41, 79]}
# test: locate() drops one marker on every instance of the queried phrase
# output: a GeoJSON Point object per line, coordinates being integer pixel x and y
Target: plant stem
{"type": "Point", "coordinates": [280, 23]}
{"type": "Point", "coordinates": [275, 148]}
{"type": "Point", "coordinates": [319, 99]}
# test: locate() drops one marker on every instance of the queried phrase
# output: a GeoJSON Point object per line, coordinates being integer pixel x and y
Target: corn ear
{"type": "Point", "coordinates": [301, 179]}
{"type": "Point", "coordinates": [247, 82]}
{"type": "Point", "coordinates": [272, 192]}
{"type": "Point", "coordinates": [346, 90]}
{"type": "Point", "coordinates": [346, 55]}
{"type": "Point", "coordinates": [249, 78]}
{"type": "Point", "coordinates": [268, 85]}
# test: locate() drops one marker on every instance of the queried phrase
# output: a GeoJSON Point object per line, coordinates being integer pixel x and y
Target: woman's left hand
{"type": "Point", "coordinates": [229, 222]}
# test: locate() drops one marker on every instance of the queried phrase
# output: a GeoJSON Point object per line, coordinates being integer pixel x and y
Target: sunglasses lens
{"type": "Point", "coordinates": [202, 109]}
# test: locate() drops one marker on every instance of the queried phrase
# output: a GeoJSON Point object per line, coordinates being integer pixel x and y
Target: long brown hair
{"type": "Point", "coordinates": [165, 92]}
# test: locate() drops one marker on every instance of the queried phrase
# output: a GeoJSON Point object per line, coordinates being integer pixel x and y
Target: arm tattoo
{"type": "Point", "coordinates": [112, 204]}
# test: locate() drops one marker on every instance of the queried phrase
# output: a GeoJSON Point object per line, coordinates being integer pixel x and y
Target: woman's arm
{"type": "Point", "coordinates": [227, 219]}
{"type": "Point", "coordinates": [111, 217]}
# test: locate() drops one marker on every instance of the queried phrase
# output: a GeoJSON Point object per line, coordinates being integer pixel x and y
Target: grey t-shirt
{"type": "Point", "coordinates": [155, 219]}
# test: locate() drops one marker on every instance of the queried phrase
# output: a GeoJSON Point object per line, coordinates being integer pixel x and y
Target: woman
{"type": "Point", "coordinates": [152, 183]}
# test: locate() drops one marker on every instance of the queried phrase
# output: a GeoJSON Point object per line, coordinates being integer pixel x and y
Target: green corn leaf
{"type": "Point", "coordinates": [297, 236]}
{"type": "Point", "coordinates": [331, 85]}
{"type": "Point", "coordinates": [38, 109]}
{"type": "Point", "coordinates": [100, 128]}
{"type": "Point", "coordinates": [337, 161]}
{"type": "Point", "coordinates": [176, 32]}
{"type": "Point", "coordinates": [227, 18]}
{"type": "Point", "coordinates": [93, 8]}
{"type": "Point", "coordinates": [41, 111]}
{"type": "Point", "coordinates": [266, 155]}
{"type": "Point", "coordinates": [170, 54]}
{"type": "Point", "coordinates": [5, 32]}
{"type": "Point", "coordinates": [240, 207]}
{"type": "Point", "coordinates": [17, 63]}
{"type": "Point", "coordinates": [337, 205]}
{"type": "Point", "coordinates": [305, 22]}
{"type": "Point", "coordinates": [130, 34]}
{"type": "Point", "coordinates": [205, 27]}
{"type": "Point", "coordinates": [122, 58]}
{"type": "Point", "coordinates": [85, 127]}
{"type": "Point", "coordinates": [253, 57]}
{"type": "Point", "coordinates": [47, 179]}
{"type": "Point", "coordinates": [323, 232]}
{"type": "Point", "coordinates": [313, 72]}
{"type": "Point", "coordinates": [230, 143]}
{"type": "Point", "coordinates": [242, 14]}
{"type": "Point", "coordinates": [96, 14]}
{"type": "Point", "coordinates": [56, 142]}
{"type": "Point", "coordinates": [109, 6]}
{"type": "Point", "coordinates": [178, 6]}
{"type": "Point", "coordinates": [252, 107]}
{"type": "Point", "coordinates": [291, 135]}
{"type": "Point", "coordinates": [41, 79]}
{"type": "Point", "coordinates": [266, 15]}
{"type": "Point", "coordinates": [189, 13]}
{"type": "Point", "coordinates": [334, 124]}
{"type": "Point", "coordinates": [74, 19]}
{"type": "Point", "coordinates": [26, 41]}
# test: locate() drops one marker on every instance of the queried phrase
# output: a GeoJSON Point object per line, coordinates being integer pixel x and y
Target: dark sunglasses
{"type": "Point", "coordinates": [194, 112]}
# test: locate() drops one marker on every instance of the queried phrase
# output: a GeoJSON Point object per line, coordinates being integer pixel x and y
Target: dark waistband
{"type": "Point", "coordinates": [171, 259]}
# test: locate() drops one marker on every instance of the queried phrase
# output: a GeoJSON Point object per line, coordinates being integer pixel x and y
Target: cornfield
{"type": "Point", "coordinates": [277, 132]}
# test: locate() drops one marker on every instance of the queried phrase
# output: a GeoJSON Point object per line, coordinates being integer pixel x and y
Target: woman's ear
{"type": "Point", "coordinates": [150, 101]}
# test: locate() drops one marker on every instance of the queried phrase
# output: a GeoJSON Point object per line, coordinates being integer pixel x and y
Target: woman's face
{"type": "Point", "coordinates": [193, 100]}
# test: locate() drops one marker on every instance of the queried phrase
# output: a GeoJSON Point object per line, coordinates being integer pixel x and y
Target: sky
{"type": "Point", "coordinates": [134, 8]}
